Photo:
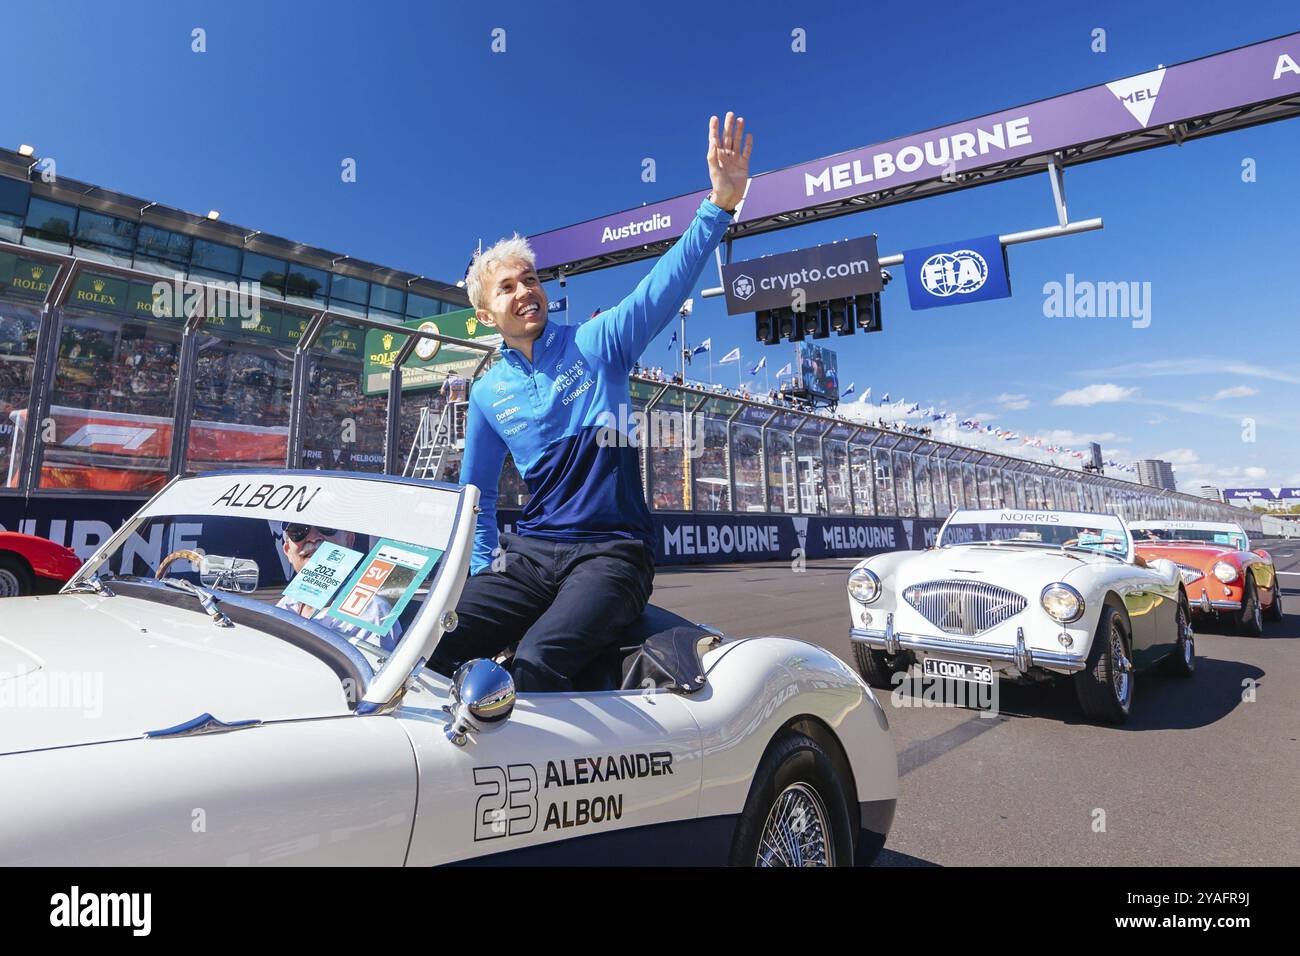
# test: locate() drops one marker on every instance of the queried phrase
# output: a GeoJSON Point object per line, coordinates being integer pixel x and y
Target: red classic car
{"type": "Point", "coordinates": [32, 565]}
{"type": "Point", "coordinates": [1223, 577]}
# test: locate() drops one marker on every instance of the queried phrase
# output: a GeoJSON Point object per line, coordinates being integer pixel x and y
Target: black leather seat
{"type": "Point", "coordinates": [606, 672]}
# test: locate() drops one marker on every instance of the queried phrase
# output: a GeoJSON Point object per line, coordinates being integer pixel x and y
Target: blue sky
{"type": "Point", "coordinates": [454, 143]}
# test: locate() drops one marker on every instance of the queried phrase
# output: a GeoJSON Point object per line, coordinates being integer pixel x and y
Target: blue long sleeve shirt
{"type": "Point", "coordinates": [550, 413]}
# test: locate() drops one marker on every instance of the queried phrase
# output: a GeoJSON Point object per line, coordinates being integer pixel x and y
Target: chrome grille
{"type": "Point", "coordinates": [963, 607]}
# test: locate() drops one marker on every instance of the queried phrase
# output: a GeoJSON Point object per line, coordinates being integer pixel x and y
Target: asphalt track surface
{"type": "Point", "coordinates": [1199, 775]}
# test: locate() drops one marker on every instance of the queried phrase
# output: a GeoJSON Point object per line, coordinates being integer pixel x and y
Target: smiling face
{"type": "Point", "coordinates": [516, 303]}
{"type": "Point", "coordinates": [300, 552]}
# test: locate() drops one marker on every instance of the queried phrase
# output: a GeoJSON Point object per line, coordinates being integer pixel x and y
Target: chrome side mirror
{"type": "Point", "coordinates": [1165, 568]}
{"type": "Point", "coordinates": [219, 573]}
{"type": "Point", "coordinates": [482, 691]}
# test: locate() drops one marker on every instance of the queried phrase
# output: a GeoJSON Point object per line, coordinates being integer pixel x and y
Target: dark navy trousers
{"type": "Point", "coordinates": [564, 602]}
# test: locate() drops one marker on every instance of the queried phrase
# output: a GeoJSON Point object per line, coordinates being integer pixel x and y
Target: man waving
{"type": "Point", "coordinates": [580, 566]}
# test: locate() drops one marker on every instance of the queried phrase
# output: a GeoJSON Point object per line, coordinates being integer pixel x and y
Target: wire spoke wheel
{"type": "Point", "coordinates": [9, 584]}
{"type": "Point", "coordinates": [1121, 675]}
{"type": "Point", "coordinates": [797, 831]}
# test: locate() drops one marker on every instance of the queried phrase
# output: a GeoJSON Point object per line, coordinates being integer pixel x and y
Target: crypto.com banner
{"type": "Point", "coordinates": [1224, 81]}
{"type": "Point", "coordinates": [832, 271]}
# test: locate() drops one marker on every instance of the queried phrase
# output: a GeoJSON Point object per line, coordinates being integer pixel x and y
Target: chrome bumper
{"type": "Point", "coordinates": [1205, 605]}
{"type": "Point", "coordinates": [892, 642]}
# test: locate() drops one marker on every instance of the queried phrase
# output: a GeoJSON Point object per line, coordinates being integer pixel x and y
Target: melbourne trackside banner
{"type": "Point", "coordinates": [969, 270]}
{"type": "Point", "coordinates": [832, 271]}
{"type": "Point", "coordinates": [1246, 76]}
{"type": "Point", "coordinates": [718, 538]}
{"type": "Point", "coordinates": [85, 522]}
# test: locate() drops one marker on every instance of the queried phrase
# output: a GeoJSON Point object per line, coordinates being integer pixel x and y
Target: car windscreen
{"type": "Point", "coordinates": [1229, 539]}
{"type": "Point", "coordinates": [363, 586]}
{"type": "Point", "coordinates": [1090, 537]}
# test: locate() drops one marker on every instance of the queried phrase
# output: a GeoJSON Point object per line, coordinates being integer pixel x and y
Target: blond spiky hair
{"type": "Point", "coordinates": [485, 262]}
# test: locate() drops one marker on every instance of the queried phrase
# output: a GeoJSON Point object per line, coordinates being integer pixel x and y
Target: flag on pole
{"type": "Point", "coordinates": [705, 346]}
{"type": "Point", "coordinates": [558, 305]}
{"type": "Point", "coordinates": [848, 391]}
{"type": "Point", "coordinates": [469, 265]}
{"type": "Point", "coordinates": [672, 341]}
{"type": "Point", "coordinates": [762, 363]}
{"type": "Point", "coordinates": [786, 369]}
{"type": "Point", "coordinates": [866, 396]}
{"type": "Point", "coordinates": [732, 356]}
{"type": "Point", "coordinates": [884, 398]}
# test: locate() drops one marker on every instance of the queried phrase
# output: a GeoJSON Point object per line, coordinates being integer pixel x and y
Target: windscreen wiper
{"type": "Point", "coordinates": [92, 583]}
{"type": "Point", "coordinates": [207, 600]}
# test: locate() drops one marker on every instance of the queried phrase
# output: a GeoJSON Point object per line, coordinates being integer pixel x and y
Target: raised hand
{"type": "Point", "coordinates": [728, 163]}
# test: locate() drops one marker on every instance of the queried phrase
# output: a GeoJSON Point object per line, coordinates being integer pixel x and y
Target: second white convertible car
{"type": "Point", "coordinates": [177, 703]}
{"type": "Point", "coordinates": [1027, 595]}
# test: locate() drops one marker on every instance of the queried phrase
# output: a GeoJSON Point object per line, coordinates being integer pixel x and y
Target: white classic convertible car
{"type": "Point", "coordinates": [1027, 595]}
{"type": "Point", "coordinates": [168, 707]}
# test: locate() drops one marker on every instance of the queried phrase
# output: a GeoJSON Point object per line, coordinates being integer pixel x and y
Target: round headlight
{"type": "Point", "coordinates": [1062, 602]}
{"type": "Point", "coordinates": [1225, 572]}
{"type": "Point", "coordinates": [863, 585]}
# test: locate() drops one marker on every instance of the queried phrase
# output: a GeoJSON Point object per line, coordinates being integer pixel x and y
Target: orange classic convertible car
{"type": "Point", "coordinates": [1223, 577]}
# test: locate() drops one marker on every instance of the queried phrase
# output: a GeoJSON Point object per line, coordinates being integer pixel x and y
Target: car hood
{"type": "Point", "coordinates": [1196, 555]}
{"type": "Point", "coordinates": [1005, 565]}
{"type": "Point", "coordinates": [84, 668]}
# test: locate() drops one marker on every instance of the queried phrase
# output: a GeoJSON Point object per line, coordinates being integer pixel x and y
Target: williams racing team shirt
{"type": "Point", "coordinates": [550, 412]}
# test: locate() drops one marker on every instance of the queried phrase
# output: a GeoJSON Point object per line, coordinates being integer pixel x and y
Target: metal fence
{"type": "Point", "coordinates": [702, 451]}
{"type": "Point", "coordinates": [100, 393]}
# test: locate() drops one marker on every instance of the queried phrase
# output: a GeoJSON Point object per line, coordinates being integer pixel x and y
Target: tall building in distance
{"type": "Point", "coordinates": [1156, 473]}
{"type": "Point", "coordinates": [1210, 492]}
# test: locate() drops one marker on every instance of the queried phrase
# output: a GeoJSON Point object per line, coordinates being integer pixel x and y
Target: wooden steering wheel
{"type": "Point", "coordinates": [192, 556]}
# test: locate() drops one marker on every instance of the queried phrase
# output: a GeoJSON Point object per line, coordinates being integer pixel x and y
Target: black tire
{"type": "Point", "coordinates": [1250, 623]}
{"type": "Point", "coordinates": [1095, 685]}
{"type": "Point", "coordinates": [1275, 612]}
{"type": "Point", "coordinates": [878, 668]}
{"type": "Point", "coordinates": [1182, 662]}
{"type": "Point", "coordinates": [15, 576]}
{"type": "Point", "coordinates": [796, 763]}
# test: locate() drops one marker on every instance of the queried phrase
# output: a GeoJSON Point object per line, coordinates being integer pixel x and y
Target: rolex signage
{"type": "Point", "coordinates": [98, 292]}
{"type": "Point", "coordinates": [432, 359]}
{"type": "Point", "coordinates": [25, 276]}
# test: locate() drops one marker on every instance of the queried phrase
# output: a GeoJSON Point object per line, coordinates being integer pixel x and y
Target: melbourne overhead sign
{"type": "Point", "coordinates": [1223, 82]}
{"type": "Point", "coordinates": [1266, 497]}
{"type": "Point", "coordinates": [970, 270]}
{"type": "Point", "coordinates": [832, 271]}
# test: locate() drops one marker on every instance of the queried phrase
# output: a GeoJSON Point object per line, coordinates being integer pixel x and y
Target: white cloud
{"type": "Point", "coordinates": [1063, 436]}
{"type": "Point", "coordinates": [1179, 456]}
{"type": "Point", "coordinates": [1013, 403]}
{"type": "Point", "coordinates": [1095, 395]}
{"type": "Point", "coordinates": [1194, 366]}
{"type": "Point", "coordinates": [1237, 391]}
